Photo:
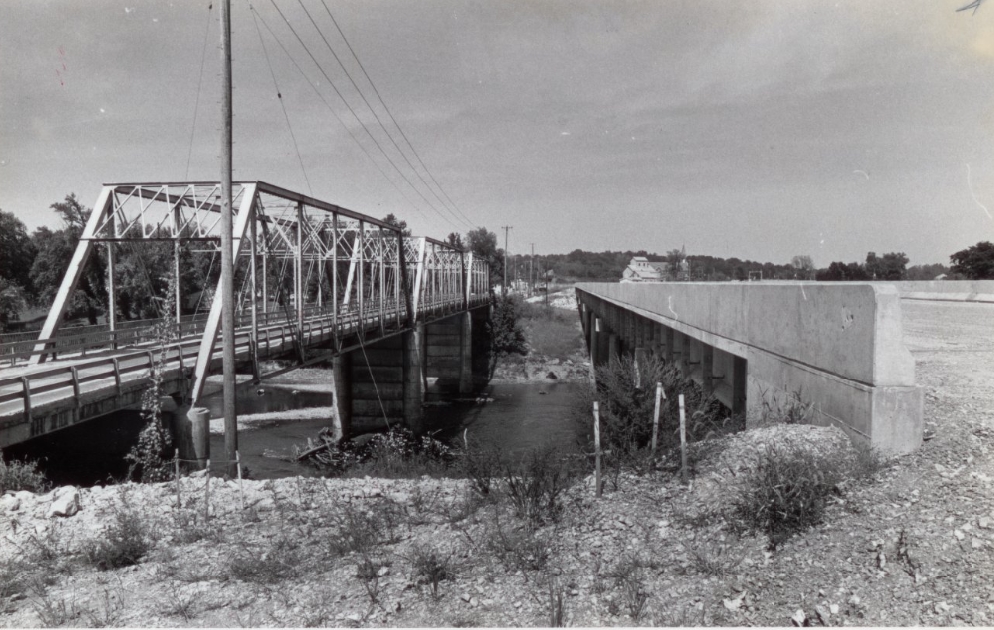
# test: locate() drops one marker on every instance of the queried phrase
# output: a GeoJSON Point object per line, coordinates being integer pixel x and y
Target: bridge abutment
{"type": "Point", "coordinates": [829, 352]}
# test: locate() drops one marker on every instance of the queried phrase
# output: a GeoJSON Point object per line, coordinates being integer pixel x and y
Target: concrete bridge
{"type": "Point", "coordinates": [835, 347]}
{"type": "Point", "coordinates": [318, 283]}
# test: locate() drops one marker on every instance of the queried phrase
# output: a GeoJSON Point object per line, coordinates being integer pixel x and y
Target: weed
{"type": "Point", "coordinates": [711, 559]}
{"type": "Point", "coordinates": [360, 531]}
{"type": "Point", "coordinates": [629, 577]}
{"type": "Point", "coordinates": [518, 549]}
{"type": "Point", "coordinates": [50, 551]}
{"type": "Point", "coordinates": [867, 462]}
{"type": "Point", "coordinates": [483, 468]}
{"type": "Point", "coordinates": [787, 492]}
{"type": "Point", "coordinates": [11, 583]}
{"type": "Point", "coordinates": [280, 561]}
{"type": "Point", "coordinates": [191, 528]}
{"type": "Point", "coordinates": [432, 567]}
{"type": "Point", "coordinates": [557, 604]}
{"type": "Point", "coordinates": [179, 605]}
{"type": "Point", "coordinates": [124, 543]}
{"type": "Point", "coordinates": [54, 613]}
{"type": "Point", "coordinates": [536, 485]}
{"type": "Point", "coordinates": [368, 572]}
{"type": "Point", "coordinates": [108, 611]}
{"type": "Point", "coordinates": [16, 476]}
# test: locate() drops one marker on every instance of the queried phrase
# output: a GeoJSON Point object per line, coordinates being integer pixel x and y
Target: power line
{"type": "Point", "coordinates": [333, 112]}
{"type": "Point", "coordinates": [375, 115]}
{"type": "Point", "coordinates": [279, 97]}
{"type": "Point", "coordinates": [196, 103]}
{"type": "Point", "coordinates": [356, 116]}
{"type": "Point", "coordinates": [390, 114]}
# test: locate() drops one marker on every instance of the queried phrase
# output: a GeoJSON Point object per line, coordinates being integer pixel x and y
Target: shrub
{"type": "Point", "coordinates": [504, 330]}
{"type": "Point", "coordinates": [397, 453]}
{"type": "Point", "coordinates": [866, 462]}
{"type": "Point", "coordinates": [787, 491]}
{"type": "Point", "coordinates": [359, 531]}
{"type": "Point", "coordinates": [11, 583]}
{"type": "Point", "coordinates": [278, 562]}
{"type": "Point", "coordinates": [713, 559]}
{"type": "Point", "coordinates": [535, 486]}
{"type": "Point", "coordinates": [483, 468]}
{"type": "Point", "coordinates": [518, 549]}
{"type": "Point", "coordinates": [629, 577]}
{"type": "Point", "coordinates": [431, 567]}
{"type": "Point", "coordinates": [16, 476]}
{"type": "Point", "coordinates": [124, 544]}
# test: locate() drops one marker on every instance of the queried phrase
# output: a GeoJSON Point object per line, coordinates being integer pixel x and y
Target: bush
{"type": "Point", "coordinates": [504, 330]}
{"type": "Point", "coordinates": [359, 531]}
{"type": "Point", "coordinates": [535, 486]}
{"type": "Point", "coordinates": [483, 468]}
{"type": "Point", "coordinates": [16, 476]}
{"type": "Point", "coordinates": [278, 562]}
{"type": "Point", "coordinates": [431, 567]}
{"type": "Point", "coordinates": [787, 492]}
{"type": "Point", "coordinates": [124, 544]}
{"type": "Point", "coordinates": [397, 453]}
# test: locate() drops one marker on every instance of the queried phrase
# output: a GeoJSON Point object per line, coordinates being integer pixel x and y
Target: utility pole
{"type": "Point", "coordinates": [505, 228]}
{"type": "Point", "coordinates": [227, 253]}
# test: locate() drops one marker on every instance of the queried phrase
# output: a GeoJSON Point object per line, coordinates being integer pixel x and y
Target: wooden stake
{"type": "Point", "coordinates": [207, 494]}
{"type": "Point", "coordinates": [597, 451]}
{"type": "Point", "coordinates": [683, 440]}
{"type": "Point", "coordinates": [179, 502]}
{"type": "Point", "coordinates": [655, 416]}
{"type": "Point", "coordinates": [241, 492]}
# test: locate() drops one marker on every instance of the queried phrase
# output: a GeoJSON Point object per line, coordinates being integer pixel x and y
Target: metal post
{"type": "Point", "coordinates": [334, 272]}
{"type": "Point", "coordinates": [597, 451]}
{"type": "Point", "coordinates": [381, 251]}
{"type": "Point", "coordinates": [255, 311]}
{"type": "Point", "coordinates": [360, 243]}
{"type": "Point", "coordinates": [298, 274]}
{"type": "Point", "coordinates": [227, 256]}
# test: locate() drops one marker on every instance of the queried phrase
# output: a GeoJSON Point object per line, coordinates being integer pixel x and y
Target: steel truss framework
{"type": "Point", "coordinates": [298, 260]}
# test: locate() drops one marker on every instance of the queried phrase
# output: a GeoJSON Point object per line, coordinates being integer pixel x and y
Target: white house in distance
{"type": "Point", "coordinates": [641, 269]}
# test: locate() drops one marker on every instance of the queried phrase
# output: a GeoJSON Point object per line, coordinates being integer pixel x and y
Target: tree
{"type": "Point", "coordinates": [976, 262]}
{"type": "Point", "coordinates": [483, 243]}
{"type": "Point", "coordinates": [390, 219]}
{"type": "Point", "coordinates": [836, 272]}
{"type": "Point", "coordinates": [16, 251]}
{"type": "Point", "coordinates": [891, 266]}
{"type": "Point", "coordinates": [455, 239]}
{"type": "Point", "coordinates": [675, 258]}
{"type": "Point", "coordinates": [12, 302]}
{"type": "Point", "coordinates": [54, 252]}
{"type": "Point", "coordinates": [803, 266]}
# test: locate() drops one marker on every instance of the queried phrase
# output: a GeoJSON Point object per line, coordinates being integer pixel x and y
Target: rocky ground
{"type": "Point", "coordinates": [914, 547]}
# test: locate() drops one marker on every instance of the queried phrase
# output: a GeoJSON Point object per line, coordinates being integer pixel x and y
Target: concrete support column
{"type": "Point", "coordinates": [595, 333]}
{"type": "Point", "coordinates": [612, 347]}
{"type": "Point", "coordinates": [707, 368]}
{"type": "Point", "coordinates": [739, 384]}
{"type": "Point", "coordinates": [342, 396]}
{"type": "Point", "coordinates": [413, 380]}
{"type": "Point", "coordinates": [190, 429]}
{"type": "Point", "coordinates": [466, 365]}
{"type": "Point", "coordinates": [669, 347]}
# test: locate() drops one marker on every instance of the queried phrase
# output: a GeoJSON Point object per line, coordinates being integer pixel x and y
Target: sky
{"type": "Point", "coordinates": [761, 129]}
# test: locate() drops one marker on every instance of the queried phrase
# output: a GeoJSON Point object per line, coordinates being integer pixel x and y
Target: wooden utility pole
{"type": "Point", "coordinates": [227, 253]}
{"type": "Point", "coordinates": [506, 229]}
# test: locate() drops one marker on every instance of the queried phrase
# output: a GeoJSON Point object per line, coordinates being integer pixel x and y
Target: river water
{"type": "Point", "coordinates": [516, 417]}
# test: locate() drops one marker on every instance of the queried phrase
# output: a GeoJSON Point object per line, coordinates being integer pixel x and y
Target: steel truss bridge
{"type": "Point", "coordinates": [313, 280]}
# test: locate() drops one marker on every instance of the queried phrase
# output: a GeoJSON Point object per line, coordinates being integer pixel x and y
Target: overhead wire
{"type": "Point", "coordinates": [368, 104]}
{"type": "Point", "coordinates": [334, 113]}
{"type": "Point", "coordinates": [196, 103]}
{"type": "Point", "coordinates": [279, 97]}
{"type": "Point", "coordinates": [354, 114]}
{"type": "Point", "coordinates": [390, 114]}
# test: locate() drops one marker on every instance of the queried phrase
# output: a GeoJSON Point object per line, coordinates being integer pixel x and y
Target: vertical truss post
{"type": "Point", "coordinates": [360, 247]}
{"type": "Point", "coordinates": [418, 279]}
{"type": "Point", "coordinates": [398, 272]}
{"type": "Point", "coordinates": [298, 273]}
{"type": "Point", "coordinates": [254, 235]}
{"type": "Point", "coordinates": [320, 250]}
{"type": "Point", "coordinates": [468, 278]}
{"type": "Point", "coordinates": [334, 277]}
{"type": "Point", "coordinates": [74, 273]}
{"type": "Point", "coordinates": [177, 251]}
{"type": "Point", "coordinates": [265, 273]}
{"type": "Point", "coordinates": [382, 255]}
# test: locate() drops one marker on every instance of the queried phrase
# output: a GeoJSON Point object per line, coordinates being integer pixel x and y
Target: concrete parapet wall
{"type": "Point", "coordinates": [836, 346]}
{"type": "Point", "coordinates": [947, 290]}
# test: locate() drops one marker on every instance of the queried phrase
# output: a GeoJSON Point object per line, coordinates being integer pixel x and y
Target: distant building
{"type": "Point", "coordinates": [641, 269]}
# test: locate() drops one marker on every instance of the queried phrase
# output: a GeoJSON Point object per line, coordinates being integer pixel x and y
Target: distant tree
{"type": "Point", "coordinates": [390, 219]}
{"type": "Point", "coordinates": [455, 239]}
{"type": "Point", "coordinates": [483, 243]}
{"type": "Point", "coordinates": [890, 266]}
{"type": "Point", "coordinates": [54, 252]}
{"type": "Point", "coordinates": [926, 272]}
{"type": "Point", "coordinates": [976, 262]}
{"type": "Point", "coordinates": [12, 302]}
{"type": "Point", "coordinates": [16, 252]}
{"type": "Point", "coordinates": [835, 272]}
{"type": "Point", "coordinates": [803, 265]}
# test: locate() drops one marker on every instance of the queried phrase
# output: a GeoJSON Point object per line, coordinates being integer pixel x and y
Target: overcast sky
{"type": "Point", "coordinates": [758, 129]}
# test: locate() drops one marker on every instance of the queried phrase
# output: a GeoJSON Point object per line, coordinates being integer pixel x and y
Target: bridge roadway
{"type": "Point", "coordinates": [37, 399]}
